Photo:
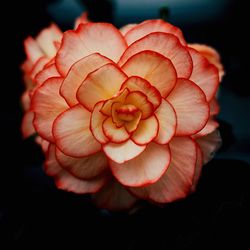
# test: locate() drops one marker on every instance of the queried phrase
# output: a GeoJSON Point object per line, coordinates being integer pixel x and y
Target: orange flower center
{"type": "Point", "coordinates": [127, 112]}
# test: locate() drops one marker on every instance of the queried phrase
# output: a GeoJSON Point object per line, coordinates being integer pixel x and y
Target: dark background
{"type": "Point", "coordinates": [33, 212]}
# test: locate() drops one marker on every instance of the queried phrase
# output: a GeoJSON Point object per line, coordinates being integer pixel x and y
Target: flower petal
{"type": "Point", "coordinates": [100, 85]}
{"type": "Point", "coordinates": [167, 122]}
{"type": "Point", "coordinates": [132, 126]}
{"type": "Point", "coordinates": [136, 83]}
{"type": "Point", "coordinates": [66, 181]}
{"type": "Point", "coordinates": [72, 134]}
{"type": "Point", "coordinates": [167, 45]}
{"type": "Point", "coordinates": [27, 126]}
{"type": "Point", "coordinates": [97, 119]}
{"type": "Point", "coordinates": [139, 100]}
{"type": "Point", "coordinates": [146, 131]}
{"type": "Point", "coordinates": [115, 134]}
{"type": "Point", "coordinates": [38, 66]}
{"type": "Point", "coordinates": [127, 28]}
{"type": "Point", "coordinates": [153, 67]}
{"type": "Point", "coordinates": [122, 152]}
{"type": "Point", "coordinates": [85, 167]}
{"type": "Point", "coordinates": [189, 103]}
{"type": "Point", "coordinates": [46, 73]}
{"type": "Point", "coordinates": [114, 197]}
{"type": "Point", "coordinates": [209, 145]}
{"type": "Point", "coordinates": [77, 73]}
{"type": "Point", "coordinates": [204, 74]}
{"type": "Point", "coordinates": [211, 126]}
{"type": "Point", "coordinates": [47, 104]}
{"type": "Point", "coordinates": [87, 39]}
{"type": "Point", "coordinates": [144, 169]}
{"type": "Point", "coordinates": [151, 26]}
{"type": "Point", "coordinates": [178, 179]}
{"type": "Point", "coordinates": [32, 49]}
{"type": "Point", "coordinates": [214, 107]}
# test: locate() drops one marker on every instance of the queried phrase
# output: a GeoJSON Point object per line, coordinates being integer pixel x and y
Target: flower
{"type": "Point", "coordinates": [127, 115]}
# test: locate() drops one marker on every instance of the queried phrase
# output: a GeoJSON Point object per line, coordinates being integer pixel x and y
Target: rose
{"type": "Point", "coordinates": [127, 114]}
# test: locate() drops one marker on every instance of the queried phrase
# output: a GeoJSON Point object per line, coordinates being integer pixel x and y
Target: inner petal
{"type": "Point", "coordinates": [127, 112]}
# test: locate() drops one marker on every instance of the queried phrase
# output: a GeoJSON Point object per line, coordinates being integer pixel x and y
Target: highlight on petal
{"type": "Point", "coordinates": [114, 197]}
{"type": "Point", "coordinates": [72, 133]}
{"type": "Point", "coordinates": [155, 68]}
{"type": "Point", "coordinates": [136, 83]}
{"type": "Point", "coordinates": [144, 169]}
{"type": "Point", "coordinates": [85, 167]}
{"type": "Point", "coordinates": [77, 74]}
{"type": "Point", "coordinates": [47, 104]}
{"type": "Point", "coordinates": [209, 144]}
{"type": "Point", "coordinates": [191, 107]}
{"type": "Point", "coordinates": [167, 120]}
{"type": "Point", "coordinates": [146, 131]}
{"type": "Point", "coordinates": [97, 119]}
{"type": "Point", "coordinates": [178, 179]}
{"type": "Point", "coordinates": [115, 134]}
{"type": "Point", "coordinates": [66, 181]}
{"type": "Point", "coordinates": [204, 74]}
{"type": "Point", "coordinates": [100, 85]}
{"type": "Point", "coordinates": [46, 73]}
{"type": "Point", "coordinates": [165, 44]}
{"type": "Point", "coordinates": [122, 152]}
{"type": "Point", "coordinates": [87, 39]}
{"type": "Point", "coordinates": [151, 26]}
{"type": "Point", "coordinates": [27, 126]}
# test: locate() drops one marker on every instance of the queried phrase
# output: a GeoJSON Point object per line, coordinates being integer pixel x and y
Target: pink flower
{"type": "Point", "coordinates": [127, 115]}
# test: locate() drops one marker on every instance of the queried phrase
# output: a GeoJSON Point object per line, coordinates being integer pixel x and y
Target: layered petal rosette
{"type": "Point", "coordinates": [127, 114]}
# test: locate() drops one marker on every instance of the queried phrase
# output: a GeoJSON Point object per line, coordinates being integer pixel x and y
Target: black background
{"type": "Point", "coordinates": [33, 212]}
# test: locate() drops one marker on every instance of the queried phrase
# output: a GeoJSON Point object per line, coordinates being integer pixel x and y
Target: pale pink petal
{"type": "Point", "coordinates": [47, 104]}
{"type": "Point", "coordinates": [127, 28]}
{"type": "Point", "coordinates": [167, 122]}
{"type": "Point", "coordinates": [146, 131]}
{"type": "Point", "coordinates": [211, 126]}
{"type": "Point", "coordinates": [38, 66]}
{"type": "Point", "coordinates": [85, 167]}
{"type": "Point", "coordinates": [114, 197]}
{"type": "Point", "coordinates": [144, 169]}
{"type": "Point", "coordinates": [46, 73]}
{"type": "Point", "coordinates": [122, 152]}
{"type": "Point", "coordinates": [89, 38]}
{"type": "Point", "coordinates": [32, 50]}
{"type": "Point", "coordinates": [167, 45]}
{"type": "Point", "coordinates": [178, 179]}
{"type": "Point", "coordinates": [204, 74]}
{"type": "Point", "coordinates": [191, 107]}
{"type": "Point", "coordinates": [78, 72]}
{"type": "Point", "coordinates": [209, 145]}
{"type": "Point", "coordinates": [100, 85]}
{"type": "Point", "coordinates": [151, 26]}
{"type": "Point", "coordinates": [72, 133]}
{"type": "Point", "coordinates": [155, 68]}
{"type": "Point", "coordinates": [81, 19]}
{"type": "Point", "coordinates": [27, 126]}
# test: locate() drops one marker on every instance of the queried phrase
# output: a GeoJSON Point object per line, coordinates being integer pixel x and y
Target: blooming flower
{"type": "Point", "coordinates": [128, 114]}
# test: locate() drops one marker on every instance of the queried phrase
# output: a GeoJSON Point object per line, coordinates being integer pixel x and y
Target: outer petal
{"type": "Point", "coordinates": [214, 107]}
{"type": "Point", "coordinates": [83, 168]}
{"type": "Point", "coordinates": [47, 105]}
{"type": "Point", "coordinates": [191, 107]}
{"type": "Point", "coordinates": [167, 122]}
{"type": "Point", "coordinates": [27, 126]}
{"type": "Point", "coordinates": [100, 85]}
{"type": "Point", "coordinates": [97, 119]}
{"type": "Point", "coordinates": [127, 28]}
{"type": "Point", "coordinates": [38, 66]}
{"type": "Point", "coordinates": [204, 74]}
{"type": "Point", "coordinates": [153, 67]}
{"type": "Point", "coordinates": [178, 179]}
{"type": "Point", "coordinates": [209, 145]}
{"type": "Point", "coordinates": [146, 131]}
{"type": "Point", "coordinates": [136, 83]}
{"type": "Point", "coordinates": [123, 152]}
{"type": "Point", "coordinates": [81, 19]}
{"type": "Point", "coordinates": [72, 134]}
{"type": "Point", "coordinates": [166, 44]}
{"type": "Point", "coordinates": [144, 169]}
{"type": "Point", "coordinates": [46, 73]}
{"type": "Point", "coordinates": [115, 134]}
{"type": "Point", "coordinates": [66, 181]}
{"type": "Point", "coordinates": [78, 73]}
{"type": "Point", "coordinates": [32, 49]}
{"type": "Point", "coordinates": [212, 56]}
{"type": "Point", "coordinates": [151, 26]}
{"type": "Point", "coordinates": [114, 197]}
{"type": "Point", "coordinates": [211, 126]}
{"type": "Point", "coordinates": [89, 38]}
